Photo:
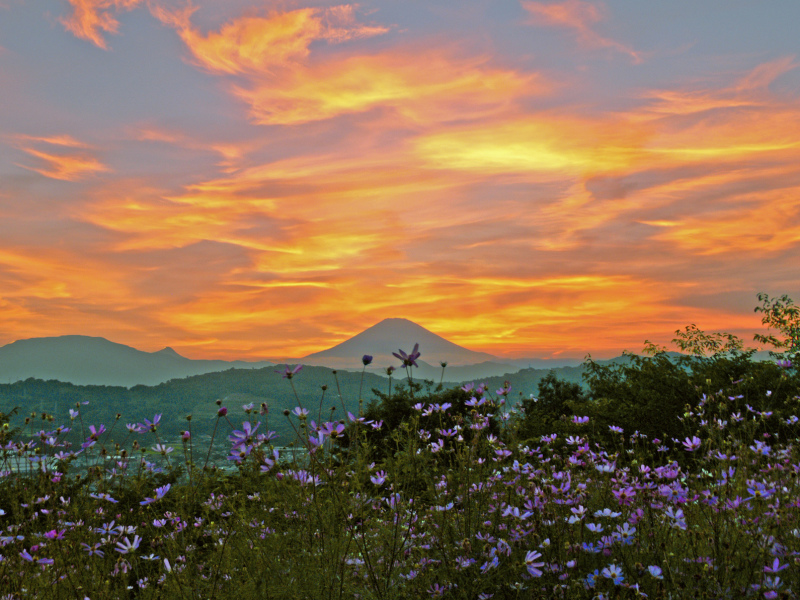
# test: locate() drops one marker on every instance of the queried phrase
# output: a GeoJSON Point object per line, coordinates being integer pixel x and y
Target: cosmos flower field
{"type": "Point", "coordinates": [452, 501]}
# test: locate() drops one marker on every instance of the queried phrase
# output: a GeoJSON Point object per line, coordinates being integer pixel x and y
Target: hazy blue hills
{"type": "Point", "coordinates": [84, 360]}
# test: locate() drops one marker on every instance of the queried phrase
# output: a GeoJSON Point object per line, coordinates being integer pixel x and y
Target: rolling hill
{"type": "Point", "coordinates": [84, 360]}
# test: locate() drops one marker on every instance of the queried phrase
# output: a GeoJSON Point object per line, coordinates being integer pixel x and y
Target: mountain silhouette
{"type": "Point", "coordinates": [391, 335]}
{"type": "Point", "coordinates": [85, 360]}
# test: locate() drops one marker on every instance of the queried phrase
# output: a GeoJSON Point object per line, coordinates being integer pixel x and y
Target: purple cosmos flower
{"type": "Point", "coordinates": [160, 492]}
{"type": "Point", "coordinates": [655, 571]}
{"type": "Point", "coordinates": [239, 453]}
{"type": "Point", "coordinates": [409, 360]}
{"type": "Point", "coordinates": [102, 496]}
{"type": "Point", "coordinates": [125, 546]}
{"type": "Point", "coordinates": [93, 550]}
{"type": "Point", "coordinates": [108, 529]}
{"type": "Point", "coordinates": [151, 425]}
{"type": "Point", "coordinates": [692, 444]}
{"type": "Point", "coordinates": [95, 432]}
{"type": "Point", "coordinates": [245, 436]}
{"type": "Point", "coordinates": [366, 359]}
{"type": "Point", "coordinates": [332, 430]}
{"type": "Point", "coordinates": [613, 572]}
{"type": "Point", "coordinates": [289, 372]}
{"type": "Point", "coordinates": [222, 412]}
{"type": "Point", "coordinates": [162, 449]}
{"type": "Point", "coordinates": [776, 567]}
{"type": "Point", "coordinates": [534, 568]}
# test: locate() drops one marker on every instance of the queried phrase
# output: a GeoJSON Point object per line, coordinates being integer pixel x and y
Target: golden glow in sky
{"type": "Point", "coordinates": [262, 179]}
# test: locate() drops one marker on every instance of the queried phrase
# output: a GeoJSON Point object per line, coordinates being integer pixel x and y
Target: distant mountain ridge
{"type": "Point", "coordinates": [85, 360]}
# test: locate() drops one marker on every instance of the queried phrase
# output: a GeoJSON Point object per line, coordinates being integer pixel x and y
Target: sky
{"type": "Point", "coordinates": [247, 180]}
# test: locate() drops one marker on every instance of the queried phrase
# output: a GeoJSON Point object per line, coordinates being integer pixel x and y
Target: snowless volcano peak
{"type": "Point", "coordinates": [391, 335]}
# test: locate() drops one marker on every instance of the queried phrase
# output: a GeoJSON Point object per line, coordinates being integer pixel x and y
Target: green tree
{"type": "Point", "coordinates": [782, 315]}
{"type": "Point", "coordinates": [556, 398]}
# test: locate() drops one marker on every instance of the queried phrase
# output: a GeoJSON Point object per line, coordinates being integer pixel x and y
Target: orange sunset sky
{"type": "Point", "coordinates": [247, 179]}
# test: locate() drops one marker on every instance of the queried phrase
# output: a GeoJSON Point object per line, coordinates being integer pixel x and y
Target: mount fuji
{"type": "Point", "coordinates": [386, 337]}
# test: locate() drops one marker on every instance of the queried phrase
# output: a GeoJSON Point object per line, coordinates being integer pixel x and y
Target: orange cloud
{"type": "Point", "coordinates": [91, 19]}
{"type": "Point", "coordinates": [55, 140]}
{"type": "Point", "coordinates": [545, 143]}
{"type": "Point", "coordinates": [66, 166]}
{"type": "Point", "coordinates": [259, 44]}
{"type": "Point", "coordinates": [763, 222]}
{"type": "Point", "coordinates": [422, 86]}
{"type": "Point", "coordinates": [288, 84]}
{"type": "Point", "coordinates": [577, 15]}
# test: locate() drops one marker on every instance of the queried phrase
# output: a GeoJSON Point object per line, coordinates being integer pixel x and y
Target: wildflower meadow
{"type": "Point", "coordinates": [662, 477]}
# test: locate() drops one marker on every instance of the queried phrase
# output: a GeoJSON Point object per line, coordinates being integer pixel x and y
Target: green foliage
{"type": "Point", "coordinates": [782, 315]}
{"type": "Point", "coordinates": [699, 343]}
{"type": "Point", "coordinates": [645, 394]}
{"type": "Point", "coordinates": [544, 412]}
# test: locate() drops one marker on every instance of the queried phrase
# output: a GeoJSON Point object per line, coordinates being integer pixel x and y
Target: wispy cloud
{"type": "Point", "coordinates": [258, 44]}
{"type": "Point", "coordinates": [91, 20]}
{"type": "Point", "coordinates": [578, 16]}
{"type": "Point", "coordinates": [65, 158]}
